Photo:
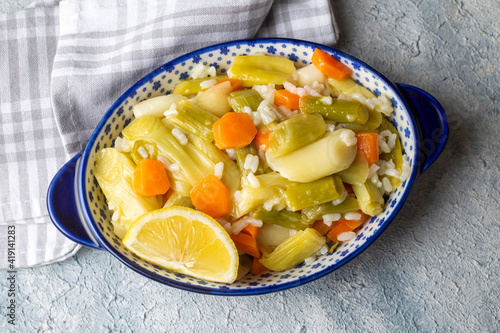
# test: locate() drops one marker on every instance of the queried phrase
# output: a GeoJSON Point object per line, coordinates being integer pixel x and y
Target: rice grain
{"type": "Point", "coordinates": [179, 136]}
{"type": "Point", "coordinates": [219, 169]}
{"type": "Point", "coordinates": [122, 146]}
{"type": "Point", "coordinates": [254, 164]}
{"type": "Point", "coordinates": [387, 184]}
{"type": "Point", "coordinates": [248, 162]}
{"type": "Point", "coordinates": [329, 218]}
{"type": "Point", "coordinates": [164, 161]}
{"type": "Point", "coordinates": [310, 259]}
{"type": "Point", "coordinates": [143, 152]}
{"type": "Point", "coordinates": [253, 181]}
{"type": "Point", "coordinates": [208, 84]}
{"type": "Point", "coordinates": [231, 152]}
{"type": "Point", "coordinates": [346, 236]}
{"type": "Point", "coordinates": [340, 200]}
{"type": "Point", "coordinates": [352, 216]}
{"type": "Point", "coordinates": [174, 167]}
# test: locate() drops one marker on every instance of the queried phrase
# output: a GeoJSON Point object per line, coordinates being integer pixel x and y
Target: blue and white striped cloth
{"type": "Point", "coordinates": [63, 65]}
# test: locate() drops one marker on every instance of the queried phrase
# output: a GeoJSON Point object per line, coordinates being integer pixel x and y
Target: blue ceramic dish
{"type": "Point", "coordinates": [79, 210]}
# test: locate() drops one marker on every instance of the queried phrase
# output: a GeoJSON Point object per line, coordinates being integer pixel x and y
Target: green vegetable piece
{"type": "Point", "coordinates": [272, 235]}
{"type": "Point", "coordinates": [215, 99]}
{"type": "Point", "coordinates": [369, 198]}
{"type": "Point", "coordinates": [178, 200]}
{"type": "Point", "coordinates": [241, 155]}
{"type": "Point", "coordinates": [272, 187]}
{"type": "Point", "coordinates": [339, 110]}
{"type": "Point", "coordinates": [333, 247]}
{"type": "Point", "coordinates": [192, 86]}
{"type": "Point", "coordinates": [359, 89]}
{"type": "Point", "coordinates": [303, 195]}
{"type": "Point", "coordinates": [358, 172]}
{"type": "Point", "coordinates": [396, 154]}
{"type": "Point", "coordinates": [114, 173]}
{"type": "Point", "coordinates": [350, 204]}
{"type": "Point", "coordinates": [348, 87]}
{"type": "Point", "coordinates": [283, 218]}
{"type": "Point", "coordinates": [150, 148]}
{"type": "Point", "coordinates": [261, 69]}
{"type": "Point", "coordinates": [373, 122]}
{"type": "Point", "coordinates": [240, 98]}
{"type": "Point", "coordinates": [156, 106]}
{"type": "Point", "coordinates": [195, 120]}
{"type": "Point", "coordinates": [321, 158]}
{"type": "Point", "coordinates": [295, 133]}
{"type": "Point", "coordinates": [294, 250]}
{"type": "Point", "coordinates": [231, 176]}
{"type": "Point", "coordinates": [245, 265]}
{"type": "Point", "coordinates": [193, 165]}
{"type": "Point", "coordinates": [338, 87]}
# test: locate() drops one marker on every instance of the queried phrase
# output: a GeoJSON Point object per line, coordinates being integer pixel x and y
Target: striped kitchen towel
{"type": "Point", "coordinates": [31, 148]}
{"type": "Point", "coordinates": [106, 46]}
{"type": "Point", "coordinates": [68, 61]}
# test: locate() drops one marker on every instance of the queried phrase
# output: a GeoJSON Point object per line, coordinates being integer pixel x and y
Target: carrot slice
{"type": "Point", "coordinates": [246, 243]}
{"type": "Point", "coordinates": [257, 267]}
{"type": "Point", "coordinates": [150, 178]}
{"type": "Point", "coordinates": [235, 84]}
{"type": "Point", "coordinates": [368, 144]}
{"type": "Point", "coordinates": [321, 227]}
{"type": "Point", "coordinates": [251, 230]}
{"type": "Point", "coordinates": [330, 66]}
{"type": "Point", "coordinates": [211, 197]}
{"type": "Point", "coordinates": [337, 229]}
{"type": "Point", "coordinates": [287, 99]}
{"type": "Point", "coordinates": [262, 139]}
{"type": "Point", "coordinates": [234, 130]}
{"type": "Point", "coordinates": [168, 195]}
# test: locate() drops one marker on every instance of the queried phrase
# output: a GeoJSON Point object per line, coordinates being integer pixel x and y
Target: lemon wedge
{"type": "Point", "coordinates": [184, 240]}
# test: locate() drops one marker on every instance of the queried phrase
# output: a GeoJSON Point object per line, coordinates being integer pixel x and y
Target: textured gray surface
{"type": "Point", "coordinates": [435, 269]}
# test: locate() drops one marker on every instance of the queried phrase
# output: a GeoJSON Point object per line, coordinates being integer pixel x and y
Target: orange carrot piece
{"type": "Point", "coordinates": [246, 243]}
{"type": "Point", "coordinates": [262, 139]}
{"type": "Point", "coordinates": [337, 229]}
{"type": "Point", "coordinates": [287, 99]}
{"type": "Point", "coordinates": [368, 144]}
{"type": "Point", "coordinates": [321, 227]}
{"type": "Point", "coordinates": [354, 224]}
{"type": "Point", "coordinates": [234, 130]}
{"type": "Point", "coordinates": [251, 230]}
{"type": "Point", "coordinates": [211, 197]}
{"type": "Point", "coordinates": [168, 195]}
{"type": "Point", "coordinates": [330, 66]}
{"type": "Point", "coordinates": [235, 84]}
{"type": "Point", "coordinates": [257, 267]}
{"type": "Point", "coordinates": [150, 178]}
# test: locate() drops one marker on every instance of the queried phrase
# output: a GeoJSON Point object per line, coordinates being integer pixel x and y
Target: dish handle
{"type": "Point", "coordinates": [431, 120]}
{"type": "Point", "coordinates": [63, 206]}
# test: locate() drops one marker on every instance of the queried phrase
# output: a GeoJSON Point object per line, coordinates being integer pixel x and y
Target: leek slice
{"type": "Point", "coordinates": [114, 173]}
{"type": "Point", "coordinates": [294, 250]}
{"type": "Point", "coordinates": [324, 157]}
{"type": "Point", "coordinates": [261, 70]}
{"type": "Point", "coordinates": [191, 164]}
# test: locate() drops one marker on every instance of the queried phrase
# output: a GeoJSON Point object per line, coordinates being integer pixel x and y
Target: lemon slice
{"type": "Point", "coordinates": [185, 241]}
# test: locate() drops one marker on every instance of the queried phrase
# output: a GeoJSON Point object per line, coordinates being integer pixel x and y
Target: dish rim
{"type": "Point", "coordinates": [250, 290]}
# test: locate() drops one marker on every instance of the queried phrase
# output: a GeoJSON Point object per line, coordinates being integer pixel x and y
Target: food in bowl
{"type": "Point", "coordinates": [288, 161]}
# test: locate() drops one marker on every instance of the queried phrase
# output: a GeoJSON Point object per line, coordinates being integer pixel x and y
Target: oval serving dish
{"type": "Point", "coordinates": [79, 210]}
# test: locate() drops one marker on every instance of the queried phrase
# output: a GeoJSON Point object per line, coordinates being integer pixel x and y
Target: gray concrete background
{"type": "Point", "coordinates": [435, 269]}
